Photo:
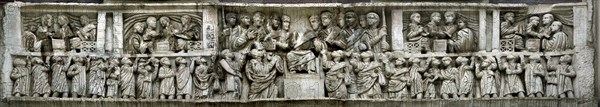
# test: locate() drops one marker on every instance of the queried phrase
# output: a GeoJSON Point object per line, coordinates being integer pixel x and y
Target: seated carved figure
{"type": "Point", "coordinates": [301, 58]}
{"type": "Point", "coordinates": [509, 30]}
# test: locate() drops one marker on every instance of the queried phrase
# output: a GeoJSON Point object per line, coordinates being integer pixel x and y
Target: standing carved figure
{"type": "Point", "coordinates": [557, 40]}
{"type": "Point", "coordinates": [533, 28]}
{"type": "Point", "coordinates": [466, 79]}
{"type": "Point", "coordinates": [302, 58]}
{"type": "Point", "coordinates": [534, 72]}
{"type": "Point", "coordinates": [147, 72]}
{"type": "Point", "coordinates": [166, 75]}
{"type": "Point", "coordinates": [335, 75]}
{"type": "Point", "coordinates": [136, 42]}
{"type": "Point", "coordinates": [330, 33]}
{"type": "Point", "coordinates": [127, 80]}
{"type": "Point", "coordinates": [351, 80]}
{"type": "Point", "coordinates": [451, 27]}
{"type": "Point", "coordinates": [431, 76]}
{"type": "Point", "coordinates": [239, 40]}
{"type": "Point", "coordinates": [112, 83]}
{"type": "Point", "coordinates": [232, 65]}
{"type": "Point", "coordinates": [184, 79]}
{"type": "Point", "coordinates": [375, 36]}
{"type": "Point", "coordinates": [464, 40]}
{"type": "Point", "coordinates": [487, 82]}
{"type": "Point", "coordinates": [77, 72]}
{"type": "Point", "coordinates": [435, 26]}
{"type": "Point", "coordinates": [150, 35]}
{"type": "Point", "coordinates": [417, 33]}
{"type": "Point", "coordinates": [45, 32]}
{"type": "Point", "coordinates": [368, 77]}
{"type": "Point", "coordinates": [21, 76]}
{"type": "Point", "coordinates": [352, 32]}
{"type": "Point", "coordinates": [261, 72]}
{"type": "Point", "coordinates": [169, 32]}
{"type": "Point", "coordinates": [59, 77]}
{"type": "Point", "coordinates": [258, 31]}
{"type": "Point", "coordinates": [41, 86]}
{"type": "Point", "coordinates": [509, 30]}
{"type": "Point", "coordinates": [513, 84]}
{"type": "Point", "coordinates": [204, 79]}
{"type": "Point", "coordinates": [450, 77]}
{"type": "Point", "coordinates": [397, 86]}
{"type": "Point", "coordinates": [228, 30]}
{"type": "Point", "coordinates": [565, 73]}
{"type": "Point", "coordinates": [97, 77]}
{"type": "Point", "coordinates": [416, 78]}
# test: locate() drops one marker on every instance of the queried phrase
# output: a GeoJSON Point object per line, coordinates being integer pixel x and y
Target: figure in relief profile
{"type": "Point", "coordinates": [375, 36]}
{"type": "Point", "coordinates": [398, 80]}
{"type": "Point", "coordinates": [487, 82]}
{"type": "Point", "coordinates": [534, 72]}
{"type": "Point", "coordinates": [77, 72]}
{"type": "Point", "coordinates": [167, 76]}
{"type": "Point", "coordinates": [466, 79]}
{"type": "Point", "coordinates": [127, 79]}
{"type": "Point", "coordinates": [450, 77]}
{"type": "Point", "coordinates": [59, 77]}
{"type": "Point", "coordinates": [21, 76]}
{"type": "Point", "coordinates": [184, 79]}
{"type": "Point", "coordinates": [97, 77]}
{"type": "Point", "coordinates": [566, 74]}
{"type": "Point", "coordinates": [41, 85]}
{"type": "Point", "coordinates": [204, 79]}
{"type": "Point", "coordinates": [112, 83]}
{"type": "Point", "coordinates": [260, 70]}
{"type": "Point", "coordinates": [417, 33]}
{"type": "Point", "coordinates": [335, 81]}
{"type": "Point", "coordinates": [513, 83]}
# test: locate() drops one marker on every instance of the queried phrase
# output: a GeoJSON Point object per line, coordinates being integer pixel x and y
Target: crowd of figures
{"type": "Point", "coordinates": [350, 51]}
{"type": "Point", "coordinates": [149, 34]}
{"type": "Point", "coordinates": [99, 77]}
{"type": "Point", "coordinates": [549, 36]}
{"type": "Point", "coordinates": [63, 32]}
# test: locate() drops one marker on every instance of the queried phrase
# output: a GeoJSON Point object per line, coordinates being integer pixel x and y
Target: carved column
{"type": "Point", "coordinates": [398, 36]}
{"type": "Point", "coordinates": [482, 28]}
{"type": "Point", "coordinates": [495, 32]}
{"type": "Point", "coordinates": [101, 29]}
{"type": "Point", "coordinates": [584, 56]}
{"type": "Point", "coordinates": [118, 31]}
{"type": "Point", "coordinates": [12, 43]}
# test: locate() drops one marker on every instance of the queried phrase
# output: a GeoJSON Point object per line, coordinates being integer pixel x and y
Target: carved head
{"type": "Point", "coordinates": [511, 58]}
{"type": "Point", "coordinates": [351, 19]}
{"type": "Point", "coordinates": [275, 20]}
{"type": "Point", "coordinates": [231, 19]}
{"type": "Point", "coordinates": [63, 20]}
{"type": "Point", "coordinates": [114, 62]}
{"type": "Point", "coordinates": [415, 17]}
{"type": "Point", "coordinates": [78, 59]}
{"type": "Point", "coordinates": [57, 59]}
{"type": "Point", "coordinates": [151, 22]}
{"type": "Point", "coordinates": [462, 60]}
{"type": "Point", "coordinates": [486, 62]}
{"type": "Point", "coordinates": [450, 16]}
{"type": "Point", "coordinates": [258, 19]}
{"type": "Point", "coordinates": [245, 19]}
{"type": "Point", "coordinates": [366, 56]}
{"type": "Point", "coordinates": [37, 60]}
{"type": "Point", "coordinates": [285, 22]}
{"type": "Point", "coordinates": [461, 23]}
{"type": "Point", "coordinates": [164, 21]}
{"type": "Point", "coordinates": [142, 62]}
{"type": "Point", "coordinates": [181, 61]}
{"type": "Point", "coordinates": [547, 19]}
{"type": "Point", "coordinates": [315, 22]}
{"type": "Point", "coordinates": [185, 19]}
{"type": "Point", "coordinates": [565, 59]}
{"type": "Point", "coordinates": [84, 20]}
{"type": "Point", "coordinates": [400, 61]}
{"type": "Point", "coordinates": [326, 17]}
{"type": "Point", "coordinates": [534, 20]}
{"type": "Point", "coordinates": [363, 21]}
{"type": "Point", "coordinates": [436, 17]}
{"type": "Point", "coordinates": [355, 56]}
{"type": "Point", "coordinates": [165, 61]}
{"type": "Point", "coordinates": [47, 20]}
{"type": "Point", "coordinates": [414, 60]}
{"type": "Point", "coordinates": [337, 55]}
{"type": "Point", "coordinates": [126, 61]}
{"type": "Point", "coordinates": [200, 60]}
{"type": "Point", "coordinates": [556, 26]}
{"type": "Point", "coordinates": [257, 54]}
{"type": "Point", "coordinates": [534, 58]}
{"type": "Point", "coordinates": [447, 61]}
{"type": "Point", "coordinates": [372, 19]}
{"type": "Point", "coordinates": [435, 62]}
{"type": "Point", "coordinates": [226, 54]}
{"type": "Point", "coordinates": [19, 62]}
{"type": "Point", "coordinates": [509, 17]}
{"type": "Point", "coordinates": [139, 27]}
